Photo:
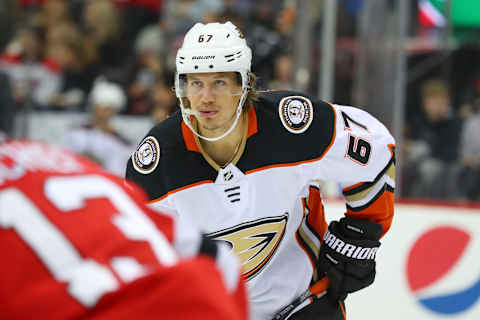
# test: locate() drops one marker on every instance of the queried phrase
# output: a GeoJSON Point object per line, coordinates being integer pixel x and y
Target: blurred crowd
{"type": "Point", "coordinates": [109, 57]}
{"type": "Point", "coordinates": [442, 147]}
{"type": "Point", "coordinates": [56, 49]}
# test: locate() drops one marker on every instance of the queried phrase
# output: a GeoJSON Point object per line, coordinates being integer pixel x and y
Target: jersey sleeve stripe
{"type": "Point", "coordinates": [379, 209]}
{"type": "Point", "coordinates": [389, 170]}
{"type": "Point", "coordinates": [316, 216]}
{"type": "Point", "coordinates": [374, 200]}
{"type": "Point", "coordinates": [353, 187]}
{"type": "Point", "coordinates": [363, 197]}
{"type": "Point", "coordinates": [364, 204]}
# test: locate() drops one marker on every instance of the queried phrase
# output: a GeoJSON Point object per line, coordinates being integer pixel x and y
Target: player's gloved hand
{"type": "Point", "coordinates": [347, 255]}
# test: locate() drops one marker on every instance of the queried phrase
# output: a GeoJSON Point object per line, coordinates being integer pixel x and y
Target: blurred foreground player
{"type": "Point", "coordinates": [77, 244]}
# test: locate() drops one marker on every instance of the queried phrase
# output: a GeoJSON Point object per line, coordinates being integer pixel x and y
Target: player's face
{"type": "Point", "coordinates": [103, 112]}
{"type": "Point", "coordinates": [215, 96]}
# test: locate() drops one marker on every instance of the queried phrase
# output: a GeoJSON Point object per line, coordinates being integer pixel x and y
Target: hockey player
{"type": "Point", "coordinates": [98, 139]}
{"type": "Point", "coordinates": [76, 243]}
{"type": "Point", "coordinates": [242, 165]}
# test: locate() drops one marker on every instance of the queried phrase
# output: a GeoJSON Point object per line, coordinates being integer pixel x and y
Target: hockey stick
{"type": "Point", "coordinates": [315, 290]}
{"type": "Point", "coordinates": [282, 314]}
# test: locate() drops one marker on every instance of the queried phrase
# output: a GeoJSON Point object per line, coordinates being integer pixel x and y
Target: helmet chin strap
{"type": "Point", "coordinates": [186, 113]}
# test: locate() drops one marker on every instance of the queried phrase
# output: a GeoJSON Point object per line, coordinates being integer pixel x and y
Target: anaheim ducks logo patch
{"type": "Point", "coordinates": [296, 113]}
{"type": "Point", "coordinates": [254, 242]}
{"type": "Point", "coordinates": [145, 159]}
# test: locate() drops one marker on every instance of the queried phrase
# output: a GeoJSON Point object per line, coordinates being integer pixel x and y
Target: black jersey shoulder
{"type": "Point", "coordinates": [271, 98]}
{"type": "Point", "coordinates": [274, 144]}
{"type": "Point", "coordinates": [177, 166]}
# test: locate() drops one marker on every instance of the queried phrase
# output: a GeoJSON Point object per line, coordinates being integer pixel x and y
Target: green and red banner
{"type": "Point", "coordinates": [463, 13]}
{"type": "Point", "coordinates": [430, 13]}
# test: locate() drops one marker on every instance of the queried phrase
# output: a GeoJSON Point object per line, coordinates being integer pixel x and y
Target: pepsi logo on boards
{"type": "Point", "coordinates": [443, 270]}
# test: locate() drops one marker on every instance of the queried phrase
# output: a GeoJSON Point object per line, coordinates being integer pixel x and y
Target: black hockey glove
{"type": "Point", "coordinates": [347, 255]}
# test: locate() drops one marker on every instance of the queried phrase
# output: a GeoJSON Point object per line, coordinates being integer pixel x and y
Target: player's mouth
{"type": "Point", "coordinates": [207, 113]}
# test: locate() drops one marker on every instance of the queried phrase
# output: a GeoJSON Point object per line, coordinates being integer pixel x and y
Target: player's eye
{"type": "Point", "coordinates": [220, 83]}
{"type": "Point", "coordinates": [196, 84]}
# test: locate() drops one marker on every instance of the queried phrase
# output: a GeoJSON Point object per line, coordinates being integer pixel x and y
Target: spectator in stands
{"type": "Point", "coordinates": [469, 179]}
{"type": "Point", "coordinates": [9, 13]}
{"type": "Point", "coordinates": [7, 109]}
{"type": "Point", "coordinates": [102, 24]}
{"type": "Point", "coordinates": [433, 141]}
{"type": "Point", "coordinates": [283, 73]}
{"type": "Point", "coordinates": [164, 101]}
{"type": "Point", "coordinates": [138, 14]}
{"type": "Point", "coordinates": [99, 139]}
{"type": "Point", "coordinates": [147, 68]}
{"type": "Point", "coordinates": [78, 69]}
{"type": "Point", "coordinates": [35, 78]}
{"type": "Point", "coordinates": [269, 37]}
{"type": "Point", "coordinates": [52, 13]}
{"type": "Point", "coordinates": [183, 14]}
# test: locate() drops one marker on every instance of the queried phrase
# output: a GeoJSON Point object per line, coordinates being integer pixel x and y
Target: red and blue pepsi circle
{"type": "Point", "coordinates": [434, 257]}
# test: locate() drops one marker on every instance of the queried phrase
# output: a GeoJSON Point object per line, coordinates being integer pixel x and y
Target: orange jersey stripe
{"type": "Point", "coordinates": [316, 216]}
{"type": "Point", "coordinates": [380, 211]}
{"type": "Point", "coordinates": [353, 187]}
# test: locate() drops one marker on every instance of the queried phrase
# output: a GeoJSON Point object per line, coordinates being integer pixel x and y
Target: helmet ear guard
{"type": "Point", "coordinates": [213, 48]}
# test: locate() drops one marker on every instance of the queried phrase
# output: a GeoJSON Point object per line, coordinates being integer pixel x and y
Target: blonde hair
{"type": "Point", "coordinates": [252, 95]}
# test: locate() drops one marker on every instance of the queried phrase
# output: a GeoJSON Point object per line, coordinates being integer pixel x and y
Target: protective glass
{"type": "Point", "coordinates": [217, 84]}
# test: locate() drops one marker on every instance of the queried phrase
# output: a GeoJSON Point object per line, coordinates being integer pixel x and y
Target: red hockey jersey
{"type": "Point", "coordinates": [77, 243]}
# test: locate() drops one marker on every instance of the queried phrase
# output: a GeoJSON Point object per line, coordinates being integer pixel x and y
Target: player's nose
{"type": "Point", "coordinates": [208, 95]}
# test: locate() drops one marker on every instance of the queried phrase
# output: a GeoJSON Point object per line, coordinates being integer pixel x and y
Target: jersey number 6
{"type": "Point", "coordinates": [358, 149]}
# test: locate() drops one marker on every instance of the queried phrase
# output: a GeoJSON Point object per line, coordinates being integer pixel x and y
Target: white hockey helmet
{"type": "Point", "coordinates": [109, 94]}
{"type": "Point", "coordinates": [213, 47]}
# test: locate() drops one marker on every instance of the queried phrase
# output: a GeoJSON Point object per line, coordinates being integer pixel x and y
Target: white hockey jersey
{"type": "Point", "coordinates": [266, 205]}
